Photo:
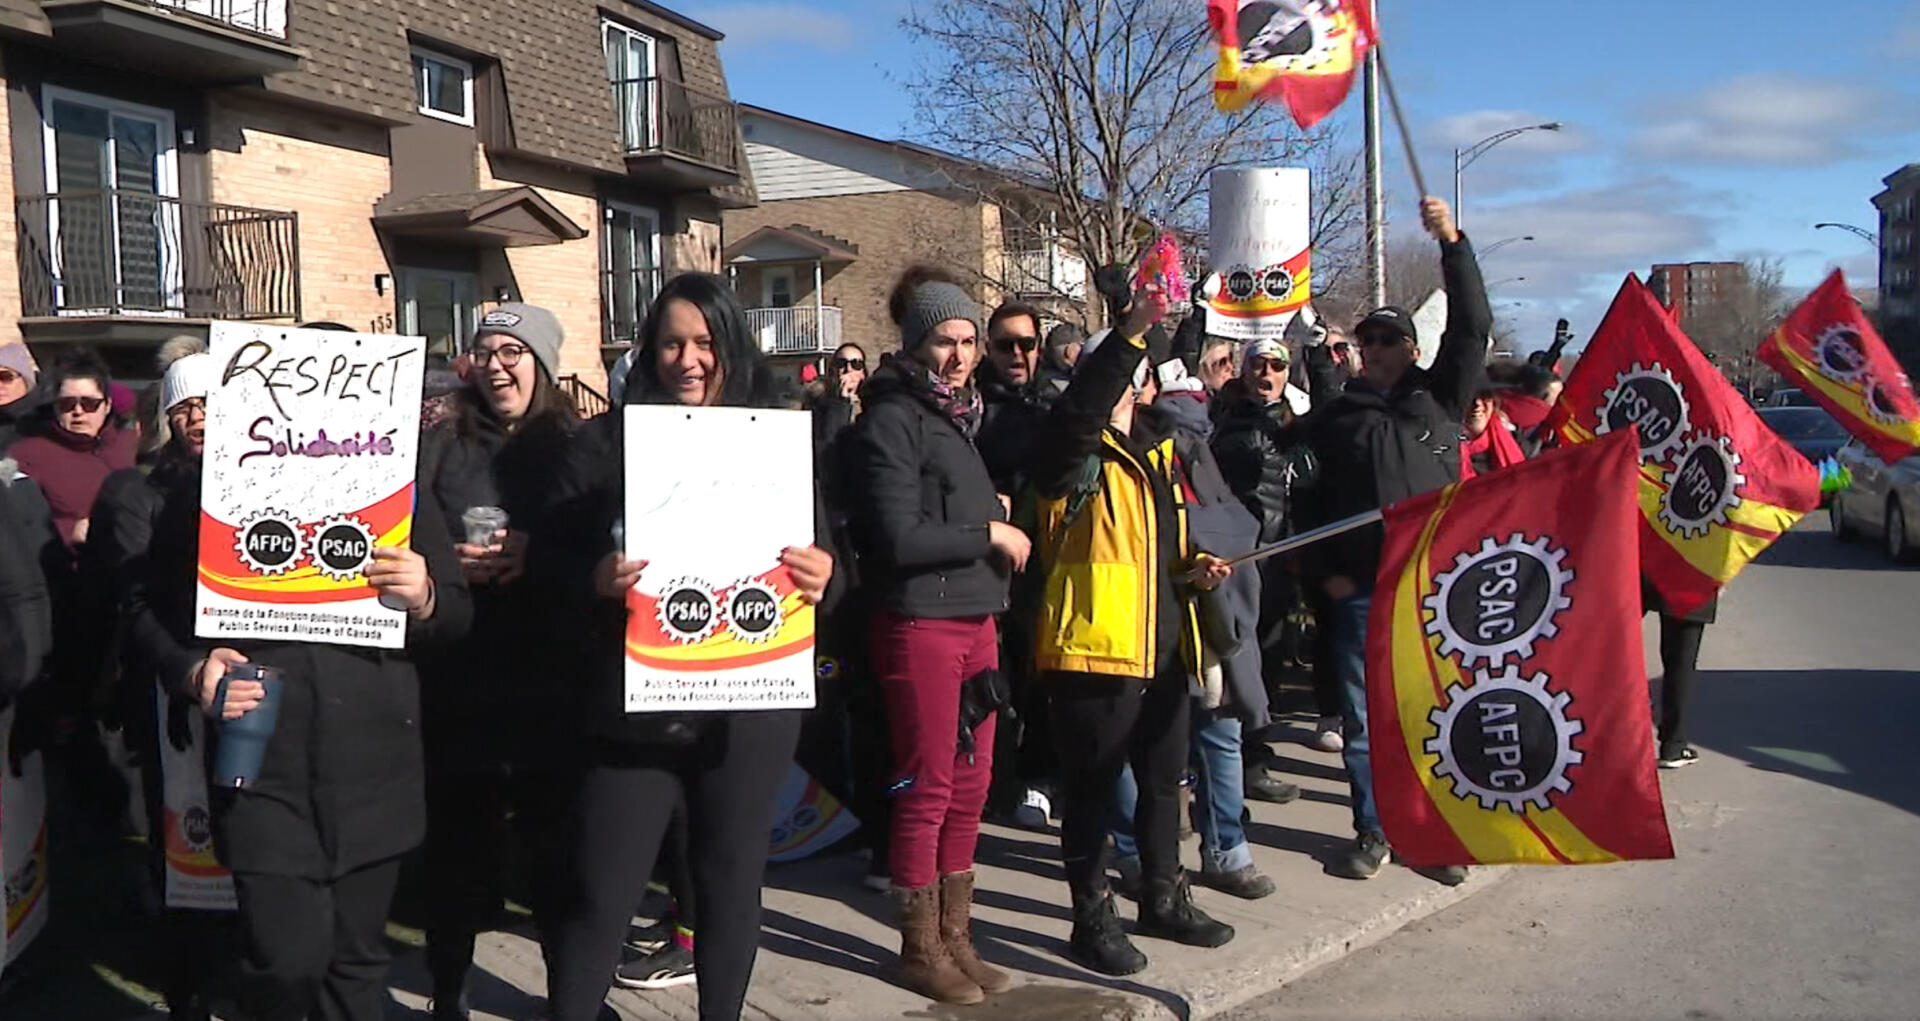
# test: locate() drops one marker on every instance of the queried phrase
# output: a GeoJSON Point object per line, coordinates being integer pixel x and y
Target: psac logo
{"type": "Point", "coordinates": [692, 611]}
{"type": "Point", "coordinates": [1506, 740]}
{"type": "Point", "coordinates": [1647, 396]}
{"type": "Point", "coordinates": [272, 542]}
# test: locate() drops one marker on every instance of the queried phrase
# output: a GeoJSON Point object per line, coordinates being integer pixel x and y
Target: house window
{"type": "Point", "coordinates": [631, 68]}
{"type": "Point", "coordinates": [113, 218]}
{"type": "Point", "coordinates": [630, 270]}
{"type": "Point", "coordinates": [443, 86]}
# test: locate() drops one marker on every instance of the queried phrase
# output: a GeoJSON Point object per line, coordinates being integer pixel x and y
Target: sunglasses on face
{"type": "Point", "coordinates": [1027, 345]}
{"type": "Point", "coordinates": [9, 376]}
{"type": "Point", "coordinates": [1269, 365]}
{"type": "Point", "coordinates": [87, 404]}
{"type": "Point", "coordinates": [508, 354]}
{"type": "Point", "coordinates": [1378, 340]}
{"type": "Point", "coordinates": [850, 364]}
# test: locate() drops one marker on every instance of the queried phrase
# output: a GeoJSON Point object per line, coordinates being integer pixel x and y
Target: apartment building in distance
{"type": "Point", "coordinates": [392, 165]}
{"type": "Point", "coordinates": [1898, 204]}
{"type": "Point", "coordinates": [841, 215]}
{"type": "Point", "coordinates": [1681, 286]}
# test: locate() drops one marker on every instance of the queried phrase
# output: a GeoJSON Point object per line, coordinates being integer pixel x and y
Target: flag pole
{"type": "Point", "coordinates": [1400, 119]}
{"type": "Point", "coordinates": [1376, 192]}
{"type": "Point", "coordinates": [1307, 538]}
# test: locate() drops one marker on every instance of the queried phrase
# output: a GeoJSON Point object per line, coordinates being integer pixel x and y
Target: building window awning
{"type": "Point", "coordinates": [498, 218]}
{"type": "Point", "coordinates": [792, 243]}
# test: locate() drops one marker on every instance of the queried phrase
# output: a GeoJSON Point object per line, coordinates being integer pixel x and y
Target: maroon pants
{"type": "Point", "coordinates": [939, 792]}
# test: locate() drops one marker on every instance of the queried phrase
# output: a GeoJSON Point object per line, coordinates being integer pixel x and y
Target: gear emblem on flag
{"type": "Point", "coordinates": [1704, 486]}
{"type": "Point", "coordinates": [1839, 354]}
{"type": "Point", "coordinates": [1880, 402]}
{"type": "Point", "coordinates": [1647, 396]}
{"type": "Point", "coordinates": [1497, 601]}
{"type": "Point", "coordinates": [687, 611]}
{"type": "Point", "coordinates": [1506, 742]}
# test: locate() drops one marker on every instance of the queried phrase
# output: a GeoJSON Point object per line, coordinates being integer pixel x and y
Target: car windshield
{"type": "Point", "coordinates": [1803, 424]}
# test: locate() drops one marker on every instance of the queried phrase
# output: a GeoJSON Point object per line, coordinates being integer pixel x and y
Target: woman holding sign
{"type": "Point", "coordinates": [695, 351]}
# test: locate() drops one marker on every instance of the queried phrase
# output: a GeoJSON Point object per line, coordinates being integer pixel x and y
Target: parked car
{"type": "Point", "coordinates": [1790, 397]}
{"type": "Point", "coordinates": [1884, 500]}
{"type": "Point", "coordinates": [1813, 432]}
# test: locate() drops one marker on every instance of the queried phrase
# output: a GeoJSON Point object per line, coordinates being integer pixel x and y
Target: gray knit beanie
{"type": "Point", "coordinates": [930, 305]}
{"type": "Point", "coordinates": [536, 327]}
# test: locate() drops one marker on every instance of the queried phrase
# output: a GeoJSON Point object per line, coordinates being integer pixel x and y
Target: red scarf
{"type": "Point", "coordinates": [1496, 438]}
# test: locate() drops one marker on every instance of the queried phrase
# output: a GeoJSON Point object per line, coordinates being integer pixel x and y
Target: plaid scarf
{"type": "Point", "coordinates": [962, 404]}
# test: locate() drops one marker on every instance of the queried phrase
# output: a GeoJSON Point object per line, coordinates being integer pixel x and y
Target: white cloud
{"type": "Point", "coordinates": [1771, 118]}
{"type": "Point", "coordinates": [761, 24]}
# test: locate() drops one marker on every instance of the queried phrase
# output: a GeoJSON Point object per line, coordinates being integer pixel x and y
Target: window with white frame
{"type": "Point", "coordinates": [443, 86]}
{"type": "Point", "coordinates": [632, 70]}
{"type": "Point", "coordinates": [630, 269]}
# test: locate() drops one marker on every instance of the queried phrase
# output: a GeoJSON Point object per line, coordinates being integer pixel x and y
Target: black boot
{"type": "Point", "coordinates": [1098, 942]}
{"type": "Point", "coordinates": [1167, 911]}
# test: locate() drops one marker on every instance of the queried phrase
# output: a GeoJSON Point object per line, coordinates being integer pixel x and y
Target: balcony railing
{"type": "Point", "coordinates": [111, 253]}
{"type": "Point", "coordinates": [800, 330]}
{"type": "Point", "coordinates": [663, 115]}
{"type": "Point", "coordinates": [267, 17]}
{"type": "Point", "coordinates": [589, 402]}
{"type": "Point", "coordinates": [1046, 273]}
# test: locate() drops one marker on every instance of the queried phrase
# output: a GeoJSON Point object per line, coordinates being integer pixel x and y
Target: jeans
{"type": "Point", "coordinates": [1219, 795]}
{"type": "Point", "coordinates": [1349, 628]}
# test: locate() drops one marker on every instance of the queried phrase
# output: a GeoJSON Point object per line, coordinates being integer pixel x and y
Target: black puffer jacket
{"type": "Point", "coordinates": [485, 702]}
{"type": "Point", "coordinates": [342, 785]}
{"type": "Point", "coordinates": [1377, 448]}
{"type": "Point", "coordinates": [1263, 454]}
{"type": "Point", "coordinates": [1011, 425]}
{"type": "Point", "coordinates": [922, 498]}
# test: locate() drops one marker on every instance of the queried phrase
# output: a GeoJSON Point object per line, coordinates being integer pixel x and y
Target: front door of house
{"type": "Point", "coordinates": [440, 305]}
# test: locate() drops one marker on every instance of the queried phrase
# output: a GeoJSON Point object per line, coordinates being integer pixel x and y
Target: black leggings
{"type": "Point", "coordinates": [1099, 725]}
{"type": "Point", "coordinates": [626, 797]}
{"type": "Point", "coordinates": [469, 838]}
{"type": "Point", "coordinates": [315, 949]}
{"type": "Point", "coordinates": [1679, 667]}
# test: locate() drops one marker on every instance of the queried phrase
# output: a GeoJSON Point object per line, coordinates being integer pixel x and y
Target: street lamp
{"type": "Point", "coordinates": [1509, 280]}
{"type": "Point", "coordinates": [1463, 158]}
{"type": "Point", "coordinates": [1864, 234]}
{"type": "Point", "coordinates": [1502, 243]}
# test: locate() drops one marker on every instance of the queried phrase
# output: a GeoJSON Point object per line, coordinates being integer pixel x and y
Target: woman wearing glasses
{"type": "Point", "coordinates": [838, 403]}
{"type": "Point", "coordinates": [79, 447]}
{"type": "Point", "coordinates": [492, 735]}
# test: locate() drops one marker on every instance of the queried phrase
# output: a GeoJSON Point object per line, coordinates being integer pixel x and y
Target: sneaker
{"type": "Point", "coordinates": [1446, 875]}
{"type": "Point", "coordinates": [1363, 861]}
{"type": "Point", "coordinates": [1261, 786]}
{"type": "Point", "coordinates": [1034, 812]}
{"type": "Point", "coordinates": [665, 970]}
{"type": "Point", "coordinates": [1326, 737]}
{"type": "Point", "coordinates": [650, 939]}
{"type": "Point", "coordinates": [1674, 758]}
{"type": "Point", "coordinates": [1245, 883]}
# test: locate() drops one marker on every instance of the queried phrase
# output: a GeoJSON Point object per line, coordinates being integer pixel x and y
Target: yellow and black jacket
{"type": "Point", "coordinates": [1113, 531]}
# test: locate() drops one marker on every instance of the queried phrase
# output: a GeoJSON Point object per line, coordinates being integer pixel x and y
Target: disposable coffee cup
{"type": "Point", "coordinates": [243, 741]}
{"type": "Point", "coordinates": [482, 524]}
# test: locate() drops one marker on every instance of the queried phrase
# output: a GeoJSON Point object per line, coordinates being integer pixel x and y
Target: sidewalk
{"type": "Point", "coordinates": [827, 942]}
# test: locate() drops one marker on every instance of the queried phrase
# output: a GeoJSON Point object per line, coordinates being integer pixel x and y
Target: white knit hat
{"type": "Point", "coordinates": [194, 375]}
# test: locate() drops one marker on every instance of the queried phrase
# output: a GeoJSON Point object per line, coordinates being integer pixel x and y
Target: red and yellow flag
{"type": "Point", "coordinates": [1717, 486]}
{"type": "Point", "coordinates": [1506, 691]}
{"type": "Point", "coordinates": [1829, 349]}
{"type": "Point", "coordinates": [1301, 51]}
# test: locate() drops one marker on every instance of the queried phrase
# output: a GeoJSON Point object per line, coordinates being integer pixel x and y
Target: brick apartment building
{"type": "Point", "coordinates": [1900, 262]}
{"type": "Point", "coordinates": [393, 165]}
{"type": "Point", "coordinates": [1681, 286]}
{"type": "Point", "coordinates": [841, 215]}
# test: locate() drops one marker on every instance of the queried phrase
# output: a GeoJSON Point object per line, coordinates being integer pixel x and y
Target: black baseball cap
{"type": "Point", "coordinates": [1387, 319]}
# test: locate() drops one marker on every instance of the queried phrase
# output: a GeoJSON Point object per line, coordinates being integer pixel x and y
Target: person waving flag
{"type": "Point", "coordinates": [1303, 52]}
{"type": "Point", "coordinates": [1829, 349]}
{"type": "Point", "coordinates": [1717, 487]}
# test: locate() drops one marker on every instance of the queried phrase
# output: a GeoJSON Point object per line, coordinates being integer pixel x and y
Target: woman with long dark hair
{"type": "Point", "coordinates": [488, 718]}
{"type": "Point", "coordinates": [695, 351]}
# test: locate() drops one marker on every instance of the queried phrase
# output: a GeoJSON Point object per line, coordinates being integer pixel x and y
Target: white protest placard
{"type": "Point", "coordinates": [1258, 244]}
{"type": "Point", "coordinates": [714, 495]}
{"type": "Point", "coordinates": [23, 849]}
{"type": "Point", "coordinates": [312, 438]}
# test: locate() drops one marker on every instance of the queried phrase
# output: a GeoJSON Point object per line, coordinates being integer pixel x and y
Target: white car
{"type": "Point", "coordinates": [1884, 500]}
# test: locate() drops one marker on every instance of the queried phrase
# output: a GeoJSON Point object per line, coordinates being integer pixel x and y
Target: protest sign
{"type": "Point", "coordinates": [807, 818]}
{"type": "Point", "coordinates": [713, 497]}
{"type": "Point", "coordinates": [23, 848]}
{"type": "Point", "coordinates": [312, 437]}
{"type": "Point", "coordinates": [1259, 249]}
{"type": "Point", "coordinates": [194, 876]}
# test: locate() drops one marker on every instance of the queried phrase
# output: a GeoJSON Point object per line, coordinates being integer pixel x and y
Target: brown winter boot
{"type": "Point", "coordinates": [925, 965]}
{"type": "Point", "coordinates": [956, 931]}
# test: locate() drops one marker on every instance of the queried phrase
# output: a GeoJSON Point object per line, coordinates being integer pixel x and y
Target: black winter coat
{"type": "Point", "coordinates": [922, 499]}
{"type": "Point", "coordinates": [1264, 457]}
{"type": "Point", "coordinates": [486, 701]}
{"type": "Point", "coordinates": [1010, 426]}
{"type": "Point", "coordinates": [343, 781]}
{"type": "Point", "coordinates": [26, 610]}
{"type": "Point", "coordinates": [1377, 448]}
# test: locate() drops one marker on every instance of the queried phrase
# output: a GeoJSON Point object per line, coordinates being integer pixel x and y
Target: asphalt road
{"type": "Point", "coordinates": [1796, 890]}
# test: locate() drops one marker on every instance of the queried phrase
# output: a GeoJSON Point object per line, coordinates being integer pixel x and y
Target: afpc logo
{"type": "Point", "coordinates": [753, 612]}
{"type": "Point", "coordinates": [269, 542]}
{"type": "Point", "coordinates": [1704, 486]}
{"type": "Point", "coordinates": [1506, 742]}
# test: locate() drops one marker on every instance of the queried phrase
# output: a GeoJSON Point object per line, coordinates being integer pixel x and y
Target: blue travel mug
{"type": "Point", "coordinates": [243, 741]}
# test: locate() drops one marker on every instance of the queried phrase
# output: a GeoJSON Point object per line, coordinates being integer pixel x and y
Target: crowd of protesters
{"type": "Point", "coordinates": [1023, 567]}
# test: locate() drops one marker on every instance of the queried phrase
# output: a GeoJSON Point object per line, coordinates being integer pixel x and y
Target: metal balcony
{"type": "Point", "coordinates": [198, 41]}
{"type": "Point", "coordinates": [799, 330]}
{"type": "Point", "coordinates": [677, 138]}
{"type": "Point", "coordinates": [133, 254]}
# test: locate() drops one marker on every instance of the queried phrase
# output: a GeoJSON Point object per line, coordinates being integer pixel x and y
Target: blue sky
{"type": "Point", "coordinates": [1702, 129]}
